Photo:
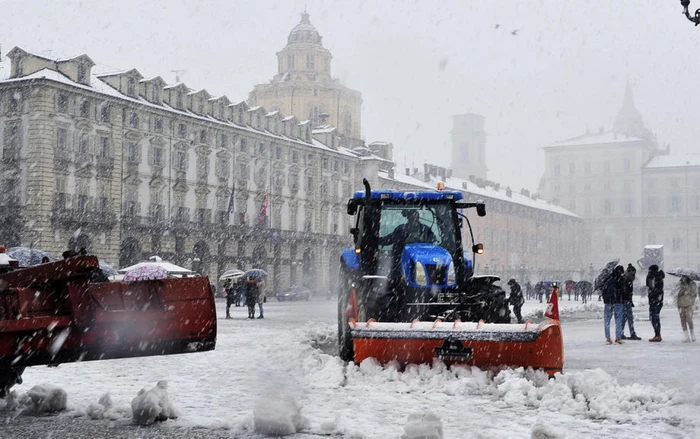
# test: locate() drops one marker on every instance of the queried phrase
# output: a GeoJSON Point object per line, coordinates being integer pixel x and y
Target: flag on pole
{"type": "Point", "coordinates": [262, 213]}
{"type": "Point", "coordinates": [231, 198]}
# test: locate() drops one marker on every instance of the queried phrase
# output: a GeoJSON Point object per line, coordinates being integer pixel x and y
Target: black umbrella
{"type": "Point", "coordinates": [255, 274]}
{"type": "Point", "coordinates": [606, 272]}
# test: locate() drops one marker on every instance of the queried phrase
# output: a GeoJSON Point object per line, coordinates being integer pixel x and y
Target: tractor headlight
{"type": "Point", "coordinates": [421, 277]}
{"type": "Point", "coordinates": [451, 277]}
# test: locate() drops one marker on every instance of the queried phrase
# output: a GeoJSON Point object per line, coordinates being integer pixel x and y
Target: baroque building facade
{"type": "Point", "coordinates": [629, 192]}
{"type": "Point", "coordinates": [129, 167]}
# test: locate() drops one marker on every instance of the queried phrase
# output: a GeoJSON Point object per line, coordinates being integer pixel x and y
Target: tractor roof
{"type": "Point", "coordinates": [400, 195]}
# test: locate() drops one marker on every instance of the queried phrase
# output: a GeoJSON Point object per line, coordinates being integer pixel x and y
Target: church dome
{"type": "Point", "coordinates": [304, 32]}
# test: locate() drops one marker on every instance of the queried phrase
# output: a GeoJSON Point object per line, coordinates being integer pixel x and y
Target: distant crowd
{"type": "Point", "coordinates": [615, 288]}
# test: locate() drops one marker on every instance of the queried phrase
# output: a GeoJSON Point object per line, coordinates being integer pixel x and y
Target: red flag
{"type": "Point", "coordinates": [553, 305]}
{"type": "Point", "coordinates": [262, 213]}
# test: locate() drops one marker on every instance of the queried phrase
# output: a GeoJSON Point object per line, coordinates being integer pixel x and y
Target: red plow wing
{"type": "Point", "coordinates": [483, 345]}
{"type": "Point", "coordinates": [52, 314]}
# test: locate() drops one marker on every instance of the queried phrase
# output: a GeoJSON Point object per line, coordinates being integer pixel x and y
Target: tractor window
{"type": "Point", "coordinates": [438, 218]}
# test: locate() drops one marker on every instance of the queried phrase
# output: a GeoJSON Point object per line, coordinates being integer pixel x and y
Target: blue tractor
{"type": "Point", "coordinates": [408, 263]}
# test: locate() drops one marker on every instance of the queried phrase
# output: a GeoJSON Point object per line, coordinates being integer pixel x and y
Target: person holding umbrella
{"type": "Point", "coordinates": [685, 300]}
{"type": "Point", "coordinates": [255, 291]}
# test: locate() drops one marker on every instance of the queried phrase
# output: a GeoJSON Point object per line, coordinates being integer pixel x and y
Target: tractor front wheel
{"type": "Point", "coordinates": [345, 348]}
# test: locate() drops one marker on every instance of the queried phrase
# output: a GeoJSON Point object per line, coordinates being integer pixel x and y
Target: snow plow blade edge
{"type": "Point", "coordinates": [539, 346]}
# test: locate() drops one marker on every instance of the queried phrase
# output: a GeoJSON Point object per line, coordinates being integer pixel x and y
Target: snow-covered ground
{"type": "Point", "coordinates": [281, 374]}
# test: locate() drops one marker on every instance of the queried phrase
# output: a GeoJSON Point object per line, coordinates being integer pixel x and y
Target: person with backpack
{"type": "Point", "coordinates": [655, 285]}
{"type": "Point", "coordinates": [516, 299]}
{"type": "Point", "coordinates": [612, 298]}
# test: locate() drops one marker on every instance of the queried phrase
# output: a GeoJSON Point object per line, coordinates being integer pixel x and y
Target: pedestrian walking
{"type": "Point", "coordinates": [528, 290]}
{"type": "Point", "coordinates": [612, 298]}
{"type": "Point", "coordinates": [516, 299]}
{"type": "Point", "coordinates": [655, 286]}
{"type": "Point", "coordinates": [251, 296]}
{"type": "Point", "coordinates": [539, 290]}
{"type": "Point", "coordinates": [261, 297]}
{"type": "Point", "coordinates": [230, 299]}
{"type": "Point", "coordinates": [569, 287]}
{"type": "Point", "coordinates": [685, 300]}
{"type": "Point", "coordinates": [628, 302]}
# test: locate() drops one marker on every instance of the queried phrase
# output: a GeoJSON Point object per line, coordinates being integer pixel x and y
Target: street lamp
{"type": "Point", "coordinates": [696, 18]}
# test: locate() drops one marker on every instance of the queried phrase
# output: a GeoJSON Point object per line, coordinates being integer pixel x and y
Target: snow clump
{"type": "Point", "coordinates": [45, 398]}
{"type": "Point", "coordinates": [104, 409]}
{"type": "Point", "coordinates": [153, 405]}
{"type": "Point", "coordinates": [423, 426]}
{"type": "Point", "coordinates": [279, 416]}
{"type": "Point", "coordinates": [542, 431]}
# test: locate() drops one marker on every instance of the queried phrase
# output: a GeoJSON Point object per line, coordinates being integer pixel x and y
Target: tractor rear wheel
{"type": "Point", "coordinates": [345, 348]}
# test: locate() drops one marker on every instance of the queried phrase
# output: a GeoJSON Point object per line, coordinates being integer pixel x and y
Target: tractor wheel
{"type": "Point", "coordinates": [345, 348]}
{"type": "Point", "coordinates": [8, 378]}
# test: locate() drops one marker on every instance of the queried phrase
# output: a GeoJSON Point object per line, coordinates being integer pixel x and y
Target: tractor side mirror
{"type": "Point", "coordinates": [478, 249]}
{"type": "Point", "coordinates": [481, 209]}
{"type": "Point", "coordinates": [352, 207]}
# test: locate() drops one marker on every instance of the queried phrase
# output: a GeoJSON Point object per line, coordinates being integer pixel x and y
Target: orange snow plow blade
{"type": "Point", "coordinates": [483, 345]}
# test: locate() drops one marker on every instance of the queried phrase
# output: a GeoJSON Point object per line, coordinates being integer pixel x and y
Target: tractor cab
{"type": "Point", "coordinates": [408, 260]}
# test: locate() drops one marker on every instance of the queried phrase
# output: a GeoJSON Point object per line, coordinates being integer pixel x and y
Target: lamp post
{"type": "Point", "coordinates": [695, 18]}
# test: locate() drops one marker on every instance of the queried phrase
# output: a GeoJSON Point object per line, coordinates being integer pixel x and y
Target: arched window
{"type": "Point", "coordinates": [347, 122]}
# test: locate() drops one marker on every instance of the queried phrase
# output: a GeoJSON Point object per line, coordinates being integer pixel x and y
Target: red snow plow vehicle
{"type": "Point", "coordinates": [407, 292]}
{"type": "Point", "coordinates": [67, 311]}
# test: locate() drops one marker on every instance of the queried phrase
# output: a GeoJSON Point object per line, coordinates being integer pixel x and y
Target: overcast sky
{"type": "Point", "coordinates": [416, 63]}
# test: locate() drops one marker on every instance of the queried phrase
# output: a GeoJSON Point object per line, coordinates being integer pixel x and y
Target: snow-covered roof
{"type": "Point", "coordinates": [454, 183]}
{"type": "Point", "coordinates": [596, 139]}
{"type": "Point", "coordinates": [101, 87]}
{"type": "Point", "coordinates": [325, 129]}
{"type": "Point", "coordinates": [674, 161]}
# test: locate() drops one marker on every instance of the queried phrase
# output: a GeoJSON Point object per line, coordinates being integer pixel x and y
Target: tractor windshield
{"type": "Point", "coordinates": [436, 225]}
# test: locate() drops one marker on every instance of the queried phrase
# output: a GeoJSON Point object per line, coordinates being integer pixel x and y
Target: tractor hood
{"type": "Point", "coordinates": [427, 265]}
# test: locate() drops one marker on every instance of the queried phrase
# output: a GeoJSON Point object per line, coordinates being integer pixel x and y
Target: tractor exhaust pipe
{"type": "Point", "coordinates": [368, 190]}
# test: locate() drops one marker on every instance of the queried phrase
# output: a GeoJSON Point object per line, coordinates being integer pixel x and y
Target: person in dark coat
{"type": "Point", "coordinates": [612, 298]}
{"type": "Point", "coordinates": [516, 299]}
{"type": "Point", "coordinates": [655, 284]}
{"type": "Point", "coordinates": [528, 290]}
{"type": "Point", "coordinates": [539, 290]}
{"type": "Point", "coordinates": [628, 302]}
{"type": "Point", "coordinates": [251, 296]}
{"type": "Point", "coordinates": [230, 296]}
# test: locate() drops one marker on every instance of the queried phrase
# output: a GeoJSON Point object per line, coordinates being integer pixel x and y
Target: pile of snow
{"type": "Point", "coordinates": [152, 405]}
{"type": "Point", "coordinates": [278, 416]}
{"type": "Point", "coordinates": [40, 399]}
{"type": "Point", "coordinates": [423, 426]}
{"type": "Point", "coordinates": [105, 409]}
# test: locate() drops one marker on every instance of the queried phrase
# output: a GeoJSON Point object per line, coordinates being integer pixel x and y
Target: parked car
{"type": "Point", "coordinates": [297, 292]}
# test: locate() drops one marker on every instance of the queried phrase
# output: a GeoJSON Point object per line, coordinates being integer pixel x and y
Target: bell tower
{"type": "Point", "coordinates": [303, 86]}
{"type": "Point", "coordinates": [468, 146]}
